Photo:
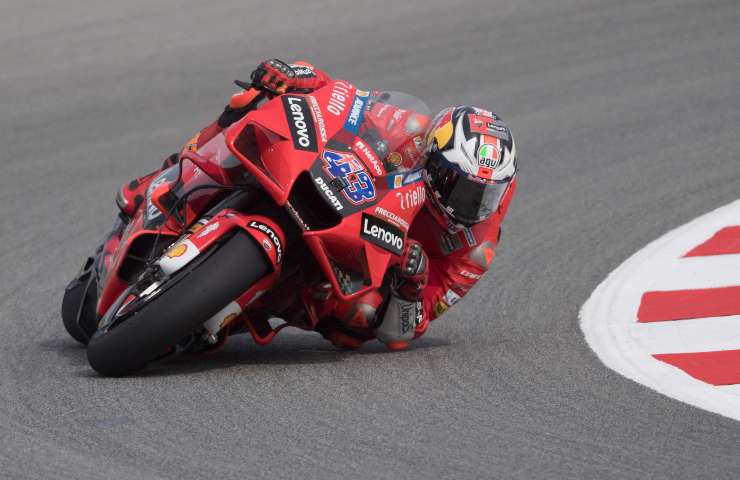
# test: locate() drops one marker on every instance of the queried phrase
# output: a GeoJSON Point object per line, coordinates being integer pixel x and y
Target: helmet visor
{"type": "Point", "coordinates": [466, 199]}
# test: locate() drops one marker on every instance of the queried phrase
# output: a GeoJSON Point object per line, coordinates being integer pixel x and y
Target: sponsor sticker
{"type": "Point", "coordinates": [302, 71]}
{"type": "Point", "coordinates": [177, 250]}
{"type": "Point", "coordinates": [395, 159]}
{"type": "Point", "coordinates": [207, 230]}
{"type": "Point", "coordinates": [412, 198]}
{"type": "Point", "coordinates": [489, 155]}
{"type": "Point", "coordinates": [412, 177]}
{"type": "Point", "coordinates": [300, 122]}
{"type": "Point", "coordinates": [469, 237]}
{"type": "Point", "coordinates": [381, 233]}
{"type": "Point", "coordinates": [368, 156]}
{"type": "Point", "coordinates": [395, 181]}
{"type": "Point", "coordinates": [471, 275]}
{"type": "Point", "coordinates": [488, 126]}
{"type": "Point", "coordinates": [356, 112]}
{"type": "Point", "coordinates": [440, 307]}
{"type": "Point", "coordinates": [271, 235]}
{"type": "Point", "coordinates": [485, 113]}
{"type": "Point", "coordinates": [408, 317]}
{"type": "Point", "coordinates": [339, 97]}
{"type": "Point", "coordinates": [318, 117]}
{"type": "Point", "coordinates": [228, 319]}
{"type": "Point", "coordinates": [451, 297]}
{"type": "Point", "coordinates": [329, 193]}
{"type": "Point", "coordinates": [347, 168]}
{"type": "Point", "coordinates": [392, 217]}
{"type": "Point", "coordinates": [450, 242]}
{"type": "Point", "coordinates": [498, 130]}
{"type": "Point", "coordinates": [198, 225]}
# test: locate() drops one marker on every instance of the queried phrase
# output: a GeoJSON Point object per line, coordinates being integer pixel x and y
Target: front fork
{"type": "Point", "coordinates": [207, 232]}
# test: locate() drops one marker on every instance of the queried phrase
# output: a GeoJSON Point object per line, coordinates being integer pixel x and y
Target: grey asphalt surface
{"type": "Point", "coordinates": [627, 121]}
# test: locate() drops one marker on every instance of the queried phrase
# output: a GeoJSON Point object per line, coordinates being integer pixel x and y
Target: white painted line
{"type": "Point", "coordinates": [609, 317]}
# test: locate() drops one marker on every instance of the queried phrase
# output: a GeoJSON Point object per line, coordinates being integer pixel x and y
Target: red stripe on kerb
{"type": "Point", "coordinates": [724, 242]}
{"type": "Point", "coordinates": [717, 368]}
{"type": "Point", "coordinates": [689, 304]}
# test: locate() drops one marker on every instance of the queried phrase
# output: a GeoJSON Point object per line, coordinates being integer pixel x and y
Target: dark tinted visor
{"type": "Point", "coordinates": [466, 199]}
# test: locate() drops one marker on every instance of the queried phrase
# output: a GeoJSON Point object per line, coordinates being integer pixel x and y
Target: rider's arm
{"type": "Point", "coordinates": [449, 278]}
{"type": "Point", "coordinates": [305, 79]}
{"type": "Point", "coordinates": [452, 276]}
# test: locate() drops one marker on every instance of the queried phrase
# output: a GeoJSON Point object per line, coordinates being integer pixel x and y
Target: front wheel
{"type": "Point", "coordinates": [162, 315]}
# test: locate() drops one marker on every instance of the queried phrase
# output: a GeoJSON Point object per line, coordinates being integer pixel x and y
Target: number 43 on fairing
{"type": "Point", "coordinates": [359, 186]}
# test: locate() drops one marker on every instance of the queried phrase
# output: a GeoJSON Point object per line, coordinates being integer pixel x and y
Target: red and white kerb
{"type": "Point", "coordinates": [669, 316]}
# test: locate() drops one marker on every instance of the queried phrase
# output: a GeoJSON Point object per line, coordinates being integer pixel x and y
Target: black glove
{"type": "Point", "coordinates": [274, 75]}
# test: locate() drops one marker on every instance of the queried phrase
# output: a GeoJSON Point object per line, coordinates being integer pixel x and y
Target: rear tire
{"type": "Point", "coordinates": [198, 293]}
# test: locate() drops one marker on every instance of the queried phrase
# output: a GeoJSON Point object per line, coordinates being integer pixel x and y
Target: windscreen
{"type": "Point", "coordinates": [393, 125]}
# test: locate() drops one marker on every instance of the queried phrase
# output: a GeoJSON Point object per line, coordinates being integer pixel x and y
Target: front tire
{"type": "Point", "coordinates": [187, 300]}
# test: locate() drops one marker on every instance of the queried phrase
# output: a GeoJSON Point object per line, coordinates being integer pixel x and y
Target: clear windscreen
{"type": "Point", "coordinates": [394, 124]}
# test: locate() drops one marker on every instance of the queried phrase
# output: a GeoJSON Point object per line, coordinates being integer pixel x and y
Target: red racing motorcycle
{"type": "Point", "coordinates": [305, 200]}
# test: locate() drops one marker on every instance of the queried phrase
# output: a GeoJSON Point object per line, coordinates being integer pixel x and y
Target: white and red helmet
{"type": "Point", "coordinates": [471, 163]}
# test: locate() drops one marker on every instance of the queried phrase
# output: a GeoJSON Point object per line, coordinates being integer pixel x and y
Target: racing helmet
{"type": "Point", "coordinates": [471, 163]}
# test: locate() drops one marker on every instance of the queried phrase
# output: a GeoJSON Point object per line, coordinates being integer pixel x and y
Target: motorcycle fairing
{"type": "Point", "coordinates": [265, 142]}
{"type": "Point", "coordinates": [113, 284]}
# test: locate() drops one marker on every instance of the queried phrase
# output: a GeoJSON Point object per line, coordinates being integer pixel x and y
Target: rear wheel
{"type": "Point", "coordinates": [161, 315]}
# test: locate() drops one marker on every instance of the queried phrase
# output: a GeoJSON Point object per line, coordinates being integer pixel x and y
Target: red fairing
{"type": "Point", "coordinates": [456, 261]}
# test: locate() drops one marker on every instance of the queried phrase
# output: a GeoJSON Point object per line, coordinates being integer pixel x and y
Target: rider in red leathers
{"type": "Point", "coordinates": [470, 180]}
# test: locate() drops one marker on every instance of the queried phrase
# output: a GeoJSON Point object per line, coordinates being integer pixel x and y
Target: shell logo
{"type": "Point", "coordinates": [395, 159]}
{"type": "Point", "coordinates": [228, 319]}
{"type": "Point", "coordinates": [177, 251]}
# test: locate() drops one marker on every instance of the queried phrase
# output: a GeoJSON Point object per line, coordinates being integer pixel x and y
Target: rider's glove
{"type": "Point", "coordinates": [278, 77]}
{"type": "Point", "coordinates": [413, 272]}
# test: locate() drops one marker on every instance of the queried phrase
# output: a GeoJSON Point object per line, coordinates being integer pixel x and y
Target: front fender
{"type": "Point", "coordinates": [265, 232]}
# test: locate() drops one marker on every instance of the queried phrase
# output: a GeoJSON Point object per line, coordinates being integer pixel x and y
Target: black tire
{"type": "Point", "coordinates": [80, 298]}
{"type": "Point", "coordinates": [193, 295]}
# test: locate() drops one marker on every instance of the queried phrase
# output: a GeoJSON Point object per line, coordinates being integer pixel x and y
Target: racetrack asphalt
{"type": "Point", "coordinates": [626, 117]}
